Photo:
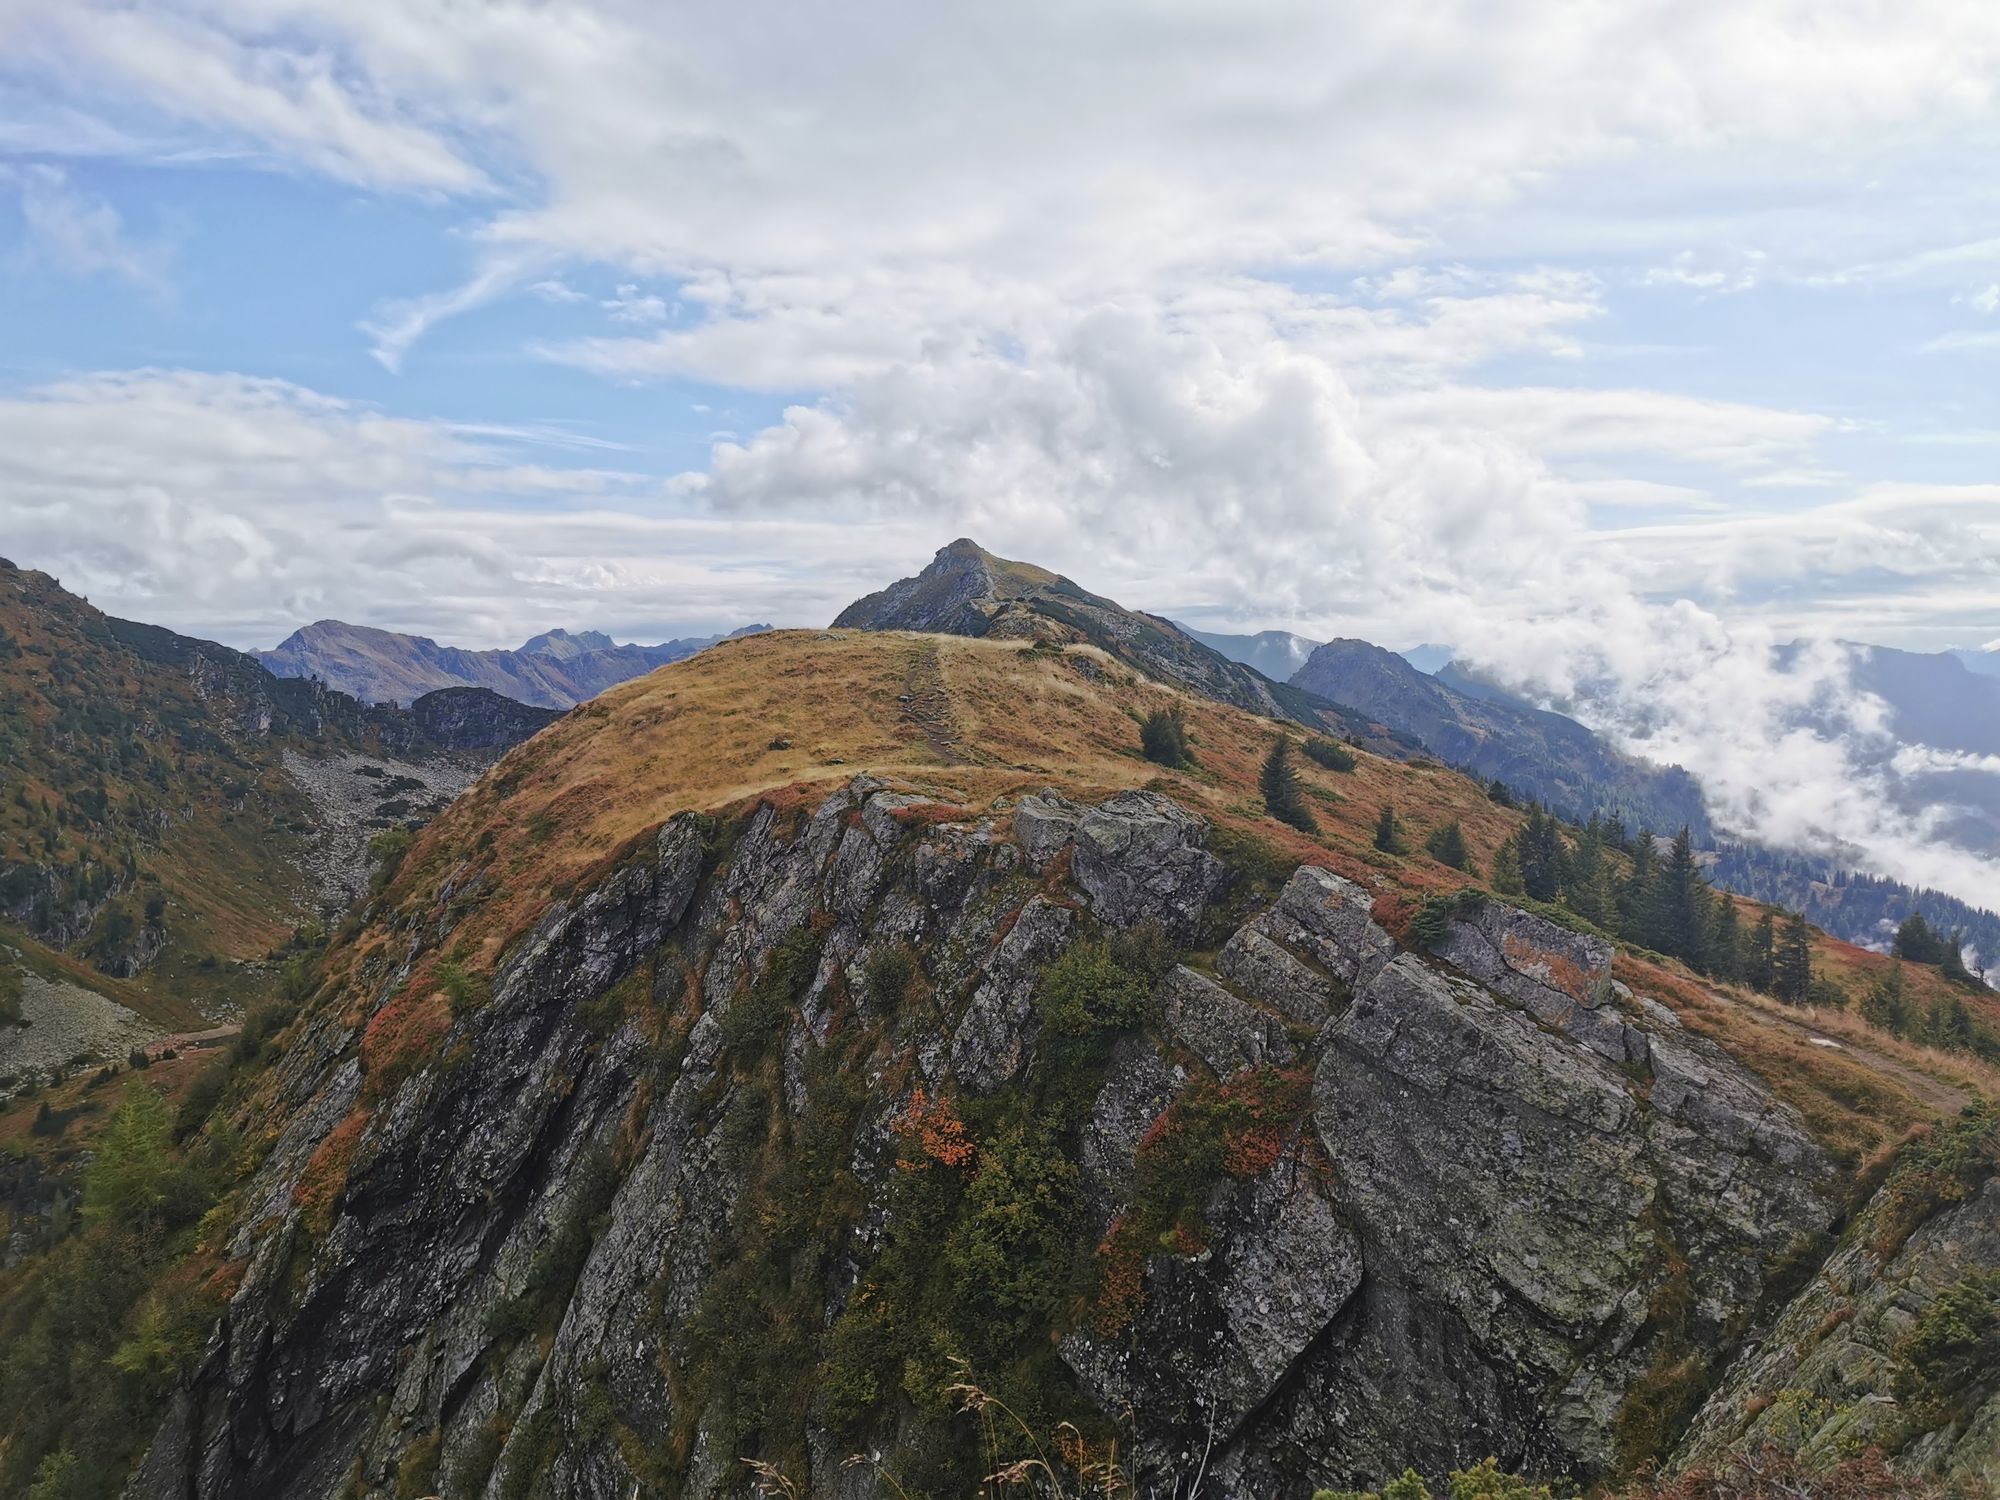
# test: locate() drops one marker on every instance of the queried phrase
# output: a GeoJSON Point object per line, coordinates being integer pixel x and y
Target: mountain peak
{"type": "Point", "coordinates": [966, 590]}
{"type": "Point", "coordinates": [563, 645]}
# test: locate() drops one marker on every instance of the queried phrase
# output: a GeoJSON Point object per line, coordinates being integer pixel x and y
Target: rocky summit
{"type": "Point", "coordinates": [966, 590]}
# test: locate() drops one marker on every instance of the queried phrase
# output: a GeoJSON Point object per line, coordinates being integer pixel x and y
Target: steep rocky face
{"type": "Point", "coordinates": [659, 1201]}
{"type": "Point", "coordinates": [477, 719]}
{"type": "Point", "coordinates": [966, 590]}
{"type": "Point", "coordinates": [1895, 1342]}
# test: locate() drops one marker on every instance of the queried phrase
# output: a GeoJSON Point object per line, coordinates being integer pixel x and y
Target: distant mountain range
{"type": "Point", "coordinates": [1984, 662]}
{"type": "Point", "coordinates": [1542, 755]}
{"type": "Point", "coordinates": [1275, 653]}
{"type": "Point", "coordinates": [966, 590]}
{"type": "Point", "coordinates": [556, 669]}
{"type": "Point", "coordinates": [1947, 701]}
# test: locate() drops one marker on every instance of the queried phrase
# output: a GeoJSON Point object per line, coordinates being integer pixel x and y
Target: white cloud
{"type": "Point", "coordinates": [397, 326]}
{"type": "Point", "coordinates": [239, 70]}
{"type": "Point", "coordinates": [1962, 342]}
{"type": "Point", "coordinates": [243, 507]}
{"type": "Point", "coordinates": [630, 305]}
{"type": "Point", "coordinates": [77, 232]}
{"type": "Point", "coordinates": [554, 289]}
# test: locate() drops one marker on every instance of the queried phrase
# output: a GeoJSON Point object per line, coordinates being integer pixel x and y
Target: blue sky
{"type": "Point", "coordinates": [1610, 344]}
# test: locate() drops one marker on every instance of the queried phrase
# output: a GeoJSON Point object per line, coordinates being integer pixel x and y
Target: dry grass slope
{"type": "Point", "coordinates": [709, 734]}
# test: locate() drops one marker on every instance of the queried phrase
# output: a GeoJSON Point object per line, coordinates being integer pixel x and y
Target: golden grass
{"type": "Point", "coordinates": [552, 816]}
{"type": "Point", "coordinates": [697, 735]}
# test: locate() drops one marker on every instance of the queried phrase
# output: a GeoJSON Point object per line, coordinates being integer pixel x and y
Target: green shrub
{"type": "Point", "coordinates": [464, 991]}
{"type": "Point", "coordinates": [1950, 1358]}
{"type": "Point", "coordinates": [1163, 737]}
{"type": "Point", "coordinates": [1946, 1166]}
{"type": "Point", "coordinates": [756, 1018]}
{"type": "Point", "coordinates": [893, 978]}
{"type": "Point", "coordinates": [1006, 1257]}
{"type": "Point", "coordinates": [1483, 1481]}
{"type": "Point", "coordinates": [1097, 989]}
{"type": "Point", "coordinates": [1334, 757]}
{"type": "Point", "coordinates": [1432, 923]}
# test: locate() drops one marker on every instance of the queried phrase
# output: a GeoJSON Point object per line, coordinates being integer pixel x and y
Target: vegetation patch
{"type": "Point", "coordinates": [1211, 1132]}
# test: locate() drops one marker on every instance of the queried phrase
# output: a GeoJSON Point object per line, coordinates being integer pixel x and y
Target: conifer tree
{"type": "Point", "coordinates": [1446, 845]}
{"type": "Point", "coordinates": [1791, 977]}
{"type": "Point", "coordinates": [1762, 965]}
{"type": "Point", "coordinates": [1917, 941]}
{"type": "Point", "coordinates": [1587, 889]}
{"type": "Point", "coordinates": [1951, 962]}
{"type": "Point", "coordinates": [1886, 1007]}
{"type": "Point", "coordinates": [1388, 838]}
{"type": "Point", "coordinates": [1636, 892]}
{"type": "Point", "coordinates": [1725, 941]}
{"type": "Point", "coordinates": [1507, 868]}
{"type": "Point", "coordinates": [1949, 1025]}
{"type": "Point", "coordinates": [1541, 855]}
{"type": "Point", "coordinates": [1675, 912]}
{"type": "Point", "coordinates": [1163, 737]}
{"type": "Point", "coordinates": [1283, 797]}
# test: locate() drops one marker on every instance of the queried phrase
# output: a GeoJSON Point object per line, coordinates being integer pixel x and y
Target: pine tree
{"type": "Point", "coordinates": [1541, 854]}
{"type": "Point", "coordinates": [1951, 961]}
{"type": "Point", "coordinates": [1636, 892]}
{"type": "Point", "coordinates": [1918, 942]}
{"type": "Point", "coordinates": [1446, 845]}
{"type": "Point", "coordinates": [1283, 797]}
{"type": "Point", "coordinates": [1587, 889]}
{"type": "Point", "coordinates": [1950, 1024]}
{"type": "Point", "coordinates": [1886, 1007]}
{"type": "Point", "coordinates": [1507, 868]}
{"type": "Point", "coordinates": [127, 1183]}
{"type": "Point", "coordinates": [1725, 941]}
{"type": "Point", "coordinates": [1762, 967]}
{"type": "Point", "coordinates": [1791, 978]}
{"type": "Point", "coordinates": [1163, 737]}
{"type": "Point", "coordinates": [1388, 838]}
{"type": "Point", "coordinates": [1676, 909]}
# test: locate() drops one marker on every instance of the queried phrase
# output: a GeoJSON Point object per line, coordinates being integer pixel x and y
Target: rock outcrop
{"type": "Point", "coordinates": [1432, 1219]}
{"type": "Point", "coordinates": [1882, 1347]}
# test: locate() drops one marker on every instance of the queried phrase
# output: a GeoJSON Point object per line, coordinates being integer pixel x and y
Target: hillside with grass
{"type": "Point", "coordinates": [966, 590]}
{"type": "Point", "coordinates": [900, 1044]}
{"type": "Point", "coordinates": [149, 833]}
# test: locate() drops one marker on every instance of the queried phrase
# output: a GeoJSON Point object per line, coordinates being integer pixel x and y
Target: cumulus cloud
{"type": "Point", "coordinates": [243, 508]}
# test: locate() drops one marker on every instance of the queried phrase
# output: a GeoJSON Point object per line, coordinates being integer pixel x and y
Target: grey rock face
{"type": "Point", "coordinates": [1138, 856]}
{"type": "Point", "coordinates": [1463, 1245]}
{"type": "Point", "coordinates": [1226, 1033]}
{"type": "Point", "coordinates": [1220, 1330]}
{"type": "Point", "coordinates": [1315, 946]}
{"type": "Point", "coordinates": [1507, 1212]}
{"type": "Point", "coordinates": [992, 1043]}
{"type": "Point", "coordinates": [1837, 1344]}
{"type": "Point", "coordinates": [1520, 1191]}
